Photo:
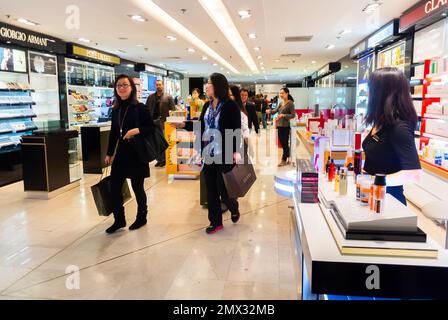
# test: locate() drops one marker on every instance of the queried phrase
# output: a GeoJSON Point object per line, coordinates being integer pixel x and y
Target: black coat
{"type": "Point", "coordinates": [230, 118]}
{"type": "Point", "coordinates": [126, 162]}
{"type": "Point", "coordinates": [252, 116]}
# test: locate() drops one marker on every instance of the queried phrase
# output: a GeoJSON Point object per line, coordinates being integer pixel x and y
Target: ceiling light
{"type": "Point", "coordinates": [215, 64]}
{"type": "Point", "coordinates": [261, 63]}
{"type": "Point", "coordinates": [27, 22]}
{"type": "Point", "coordinates": [204, 58]}
{"type": "Point", "coordinates": [330, 47]}
{"type": "Point", "coordinates": [313, 62]}
{"type": "Point", "coordinates": [244, 14]}
{"type": "Point", "coordinates": [252, 36]}
{"type": "Point", "coordinates": [221, 16]}
{"type": "Point", "coordinates": [259, 57]}
{"type": "Point", "coordinates": [161, 16]}
{"type": "Point", "coordinates": [257, 48]}
{"type": "Point", "coordinates": [171, 38]}
{"type": "Point", "coordinates": [84, 40]}
{"type": "Point", "coordinates": [140, 45]}
{"type": "Point", "coordinates": [372, 7]}
{"type": "Point", "coordinates": [277, 60]}
{"type": "Point", "coordinates": [344, 32]}
{"type": "Point", "coordinates": [137, 18]}
{"type": "Point", "coordinates": [191, 50]}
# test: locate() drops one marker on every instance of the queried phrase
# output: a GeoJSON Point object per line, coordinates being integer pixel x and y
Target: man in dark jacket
{"type": "Point", "coordinates": [160, 104]}
{"type": "Point", "coordinates": [252, 113]}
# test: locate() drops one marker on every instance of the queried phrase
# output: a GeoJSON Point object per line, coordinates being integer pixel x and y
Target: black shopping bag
{"type": "Point", "coordinates": [102, 194]}
{"type": "Point", "coordinates": [239, 180]}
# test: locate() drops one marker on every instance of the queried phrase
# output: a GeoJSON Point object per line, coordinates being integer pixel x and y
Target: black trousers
{"type": "Point", "coordinates": [117, 182]}
{"type": "Point", "coordinates": [216, 191]}
{"type": "Point", "coordinates": [283, 135]}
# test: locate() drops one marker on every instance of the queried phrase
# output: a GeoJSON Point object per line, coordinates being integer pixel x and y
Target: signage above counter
{"type": "Point", "coordinates": [142, 67]}
{"type": "Point", "coordinates": [30, 39]}
{"type": "Point", "coordinates": [424, 13]}
{"type": "Point", "coordinates": [92, 54]}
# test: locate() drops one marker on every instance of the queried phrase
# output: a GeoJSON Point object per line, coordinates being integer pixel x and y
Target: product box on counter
{"type": "Point", "coordinates": [307, 182]}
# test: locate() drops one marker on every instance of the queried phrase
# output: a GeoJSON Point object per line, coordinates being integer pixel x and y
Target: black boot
{"type": "Point", "coordinates": [120, 222]}
{"type": "Point", "coordinates": [140, 221]}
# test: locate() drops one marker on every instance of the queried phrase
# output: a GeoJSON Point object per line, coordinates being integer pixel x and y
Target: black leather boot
{"type": "Point", "coordinates": [120, 222]}
{"type": "Point", "coordinates": [140, 221]}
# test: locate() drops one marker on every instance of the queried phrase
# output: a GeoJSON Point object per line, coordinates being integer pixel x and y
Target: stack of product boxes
{"type": "Point", "coordinates": [308, 182]}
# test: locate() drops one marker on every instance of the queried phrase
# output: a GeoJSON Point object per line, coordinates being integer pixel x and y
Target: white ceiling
{"type": "Point", "coordinates": [104, 21]}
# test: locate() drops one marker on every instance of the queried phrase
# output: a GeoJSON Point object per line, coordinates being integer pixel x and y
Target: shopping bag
{"type": "Point", "coordinates": [102, 194]}
{"type": "Point", "coordinates": [239, 180]}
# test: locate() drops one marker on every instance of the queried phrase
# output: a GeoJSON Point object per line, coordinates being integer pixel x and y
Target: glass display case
{"type": "Point", "coordinates": [74, 162]}
{"type": "Point", "coordinates": [90, 92]}
{"type": "Point", "coordinates": [44, 80]}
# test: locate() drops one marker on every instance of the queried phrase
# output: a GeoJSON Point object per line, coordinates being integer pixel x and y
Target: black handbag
{"type": "Point", "coordinates": [239, 180]}
{"type": "Point", "coordinates": [102, 194]}
{"type": "Point", "coordinates": [150, 146]}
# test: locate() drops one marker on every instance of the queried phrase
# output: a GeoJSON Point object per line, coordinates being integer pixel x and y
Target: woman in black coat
{"type": "Point", "coordinates": [129, 119]}
{"type": "Point", "coordinates": [221, 116]}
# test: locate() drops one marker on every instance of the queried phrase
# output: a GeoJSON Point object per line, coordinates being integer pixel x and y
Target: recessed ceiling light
{"type": "Point", "coordinates": [277, 60]}
{"type": "Point", "coordinates": [257, 48]}
{"type": "Point", "coordinates": [191, 50]}
{"type": "Point", "coordinates": [252, 36]}
{"type": "Point", "coordinates": [84, 40]}
{"type": "Point", "coordinates": [313, 62]}
{"type": "Point", "coordinates": [330, 47]}
{"type": "Point", "coordinates": [171, 38]}
{"type": "Point", "coordinates": [130, 65]}
{"type": "Point", "coordinates": [261, 63]}
{"type": "Point", "coordinates": [215, 64]}
{"type": "Point", "coordinates": [244, 14]}
{"type": "Point", "coordinates": [137, 18]}
{"type": "Point", "coordinates": [140, 45]}
{"type": "Point", "coordinates": [344, 32]}
{"type": "Point", "coordinates": [372, 7]}
{"type": "Point", "coordinates": [27, 22]}
{"type": "Point", "coordinates": [204, 58]}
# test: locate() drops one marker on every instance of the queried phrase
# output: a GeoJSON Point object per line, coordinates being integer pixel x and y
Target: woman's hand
{"type": "Point", "coordinates": [280, 116]}
{"type": "Point", "coordinates": [178, 125]}
{"type": "Point", "coordinates": [131, 133]}
{"type": "Point", "coordinates": [108, 160]}
{"type": "Point", "coordinates": [237, 157]}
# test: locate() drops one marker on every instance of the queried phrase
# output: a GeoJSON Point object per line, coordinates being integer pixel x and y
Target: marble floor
{"type": "Point", "coordinates": [57, 249]}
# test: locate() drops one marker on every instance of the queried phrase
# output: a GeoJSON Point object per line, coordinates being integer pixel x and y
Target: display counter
{"type": "Point", "coordinates": [50, 163]}
{"type": "Point", "coordinates": [94, 141]}
{"type": "Point", "coordinates": [327, 270]}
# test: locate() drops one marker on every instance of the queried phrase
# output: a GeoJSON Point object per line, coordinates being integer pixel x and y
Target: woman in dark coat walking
{"type": "Point", "coordinates": [129, 119]}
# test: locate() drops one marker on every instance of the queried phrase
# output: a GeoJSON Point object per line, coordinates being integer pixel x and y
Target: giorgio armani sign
{"type": "Point", "coordinates": [31, 39]}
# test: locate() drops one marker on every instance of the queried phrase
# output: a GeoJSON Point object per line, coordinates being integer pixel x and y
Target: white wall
{"type": "Point", "coordinates": [185, 88]}
{"type": "Point", "coordinates": [300, 96]}
{"type": "Point", "coordinates": [270, 90]}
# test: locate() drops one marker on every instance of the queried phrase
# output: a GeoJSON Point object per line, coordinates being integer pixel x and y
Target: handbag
{"type": "Point", "coordinates": [102, 194]}
{"type": "Point", "coordinates": [239, 180]}
{"type": "Point", "coordinates": [149, 147]}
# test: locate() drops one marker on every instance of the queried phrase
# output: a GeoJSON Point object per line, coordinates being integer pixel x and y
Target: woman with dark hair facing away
{"type": "Point", "coordinates": [126, 163]}
{"type": "Point", "coordinates": [287, 112]}
{"type": "Point", "coordinates": [222, 116]}
{"type": "Point", "coordinates": [390, 146]}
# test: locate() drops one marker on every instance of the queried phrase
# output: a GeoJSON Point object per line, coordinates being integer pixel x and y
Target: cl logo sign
{"type": "Point", "coordinates": [434, 5]}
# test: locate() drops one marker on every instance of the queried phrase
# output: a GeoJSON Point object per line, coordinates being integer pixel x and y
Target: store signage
{"type": "Point", "coordinates": [95, 55]}
{"type": "Point", "coordinates": [30, 39]}
{"type": "Point", "coordinates": [358, 49]}
{"type": "Point", "coordinates": [141, 67]}
{"type": "Point", "coordinates": [384, 34]}
{"type": "Point", "coordinates": [425, 10]}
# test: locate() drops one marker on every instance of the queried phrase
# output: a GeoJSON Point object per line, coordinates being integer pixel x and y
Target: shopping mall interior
{"type": "Point", "coordinates": [315, 221]}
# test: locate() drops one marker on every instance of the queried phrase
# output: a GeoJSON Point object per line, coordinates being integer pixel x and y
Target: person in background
{"type": "Point", "coordinates": [196, 104]}
{"type": "Point", "coordinates": [390, 146]}
{"type": "Point", "coordinates": [259, 106]}
{"type": "Point", "coordinates": [286, 112]}
{"type": "Point", "coordinates": [126, 164]}
{"type": "Point", "coordinates": [222, 114]}
{"type": "Point", "coordinates": [160, 104]}
{"type": "Point", "coordinates": [235, 95]}
{"type": "Point", "coordinates": [251, 112]}
{"type": "Point", "coordinates": [264, 109]}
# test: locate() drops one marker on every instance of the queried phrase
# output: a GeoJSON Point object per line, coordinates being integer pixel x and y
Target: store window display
{"type": "Point", "coordinates": [390, 147]}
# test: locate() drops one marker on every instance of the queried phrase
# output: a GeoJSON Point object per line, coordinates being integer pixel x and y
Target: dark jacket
{"type": "Point", "coordinates": [126, 162]}
{"type": "Point", "coordinates": [252, 116]}
{"type": "Point", "coordinates": [166, 104]}
{"type": "Point", "coordinates": [230, 118]}
{"type": "Point", "coordinates": [289, 111]}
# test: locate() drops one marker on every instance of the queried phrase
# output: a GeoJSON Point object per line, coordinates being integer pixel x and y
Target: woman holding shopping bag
{"type": "Point", "coordinates": [126, 164]}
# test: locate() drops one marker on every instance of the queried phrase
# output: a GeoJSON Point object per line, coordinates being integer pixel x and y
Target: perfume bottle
{"type": "Point", "coordinates": [332, 171]}
{"type": "Point", "coordinates": [379, 193]}
{"type": "Point", "coordinates": [343, 183]}
{"type": "Point", "coordinates": [337, 181]}
{"type": "Point", "coordinates": [358, 155]}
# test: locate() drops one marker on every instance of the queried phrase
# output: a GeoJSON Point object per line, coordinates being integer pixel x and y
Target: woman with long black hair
{"type": "Point", "coordinates": [390, 146]}
{"type": "Point", "coordinates": [129, 119]}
